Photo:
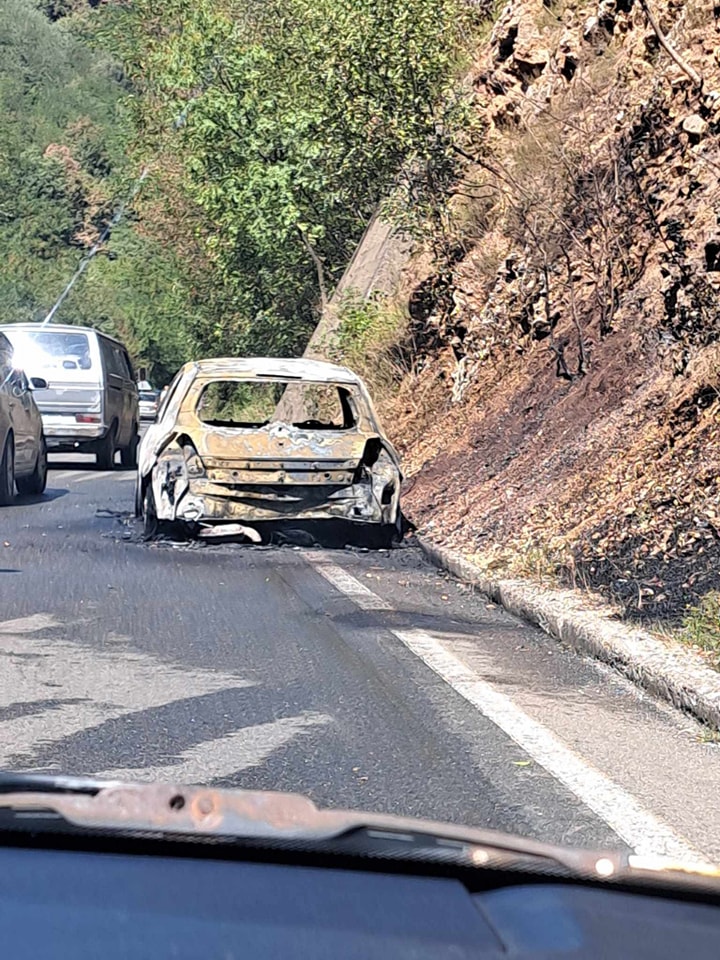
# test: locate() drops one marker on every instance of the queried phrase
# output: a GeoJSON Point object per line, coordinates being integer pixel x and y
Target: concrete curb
{"type": "Point", "coordinates": [667, 671]}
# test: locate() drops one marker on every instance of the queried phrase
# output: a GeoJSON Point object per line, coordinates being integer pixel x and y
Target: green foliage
{"type": "Point", "coordinates": [371, 338]}
{"type": "Point", "coordinates": [63, 170]}
{"type": "Point", "coordinates": [272, 129]}
{"type": "Point", "coordinates": [360, 320]}
{"type": "Point", "coordinates": [297, 118]}
{"type": "Point", "coordinates": [701, 626]}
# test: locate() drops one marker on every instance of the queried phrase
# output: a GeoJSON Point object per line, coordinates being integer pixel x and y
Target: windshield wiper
{"type": "Point", "coordinates": [169, 810]}
{"type": "Point", "coordinates": [48, 783]}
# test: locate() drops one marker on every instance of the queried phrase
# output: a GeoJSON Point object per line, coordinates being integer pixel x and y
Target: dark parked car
{"type": "Point", "coordinates": [23, 453]}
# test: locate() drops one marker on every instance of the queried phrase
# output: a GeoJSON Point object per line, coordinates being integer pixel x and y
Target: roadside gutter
{"type": "Point", "coordinates": [663, 669]}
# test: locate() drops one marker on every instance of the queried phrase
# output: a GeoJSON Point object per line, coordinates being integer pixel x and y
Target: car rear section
{"type": "Point", "coordinates": [69, 360]}
{"type": "Point", "coordinates": [217, 470]}
{"type": "Point", "coordinates": [282, 472]}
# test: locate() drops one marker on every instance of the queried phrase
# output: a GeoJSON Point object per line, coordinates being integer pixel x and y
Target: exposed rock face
{"type": "Point", "coordinates": [574, 354]}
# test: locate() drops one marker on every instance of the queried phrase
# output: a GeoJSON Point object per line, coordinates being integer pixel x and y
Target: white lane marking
{"type": "Point", "coordinates": [639, 828]}
{"type": "Point", "coordinates": [348, 585]}
{"type": "Point", "coordinates": [36, 621]}
{"type": "Point", "coordinates": [104, 683]}
{"type": "Point", "coordinates": [95, 475]}
{"type": "Point", "coordinates": [225, 756]}
{"type": "Point", "coordinates": [65, 474]}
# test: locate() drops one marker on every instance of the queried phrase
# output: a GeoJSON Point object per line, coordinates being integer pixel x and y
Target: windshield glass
{"type": "Point", "coordinates": [48, 350]}
{"type": "Point", "coordinates": [425, 518]}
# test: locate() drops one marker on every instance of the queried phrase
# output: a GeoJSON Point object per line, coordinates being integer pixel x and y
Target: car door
{"type": "Point", "coordinates": [113, 384]}
{"type": "Point", "coordinates": [130, 394]}
{"type": "Point", "coordinates": [6, 369]}
{"type": "Point", "coordinates": [122, 391]}
{"type": "Point", "coordinates": [22, 416]}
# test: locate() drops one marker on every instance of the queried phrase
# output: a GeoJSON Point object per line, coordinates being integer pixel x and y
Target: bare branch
{"type": "Point", "coordinates": [319, 268]}
{"type": "Point", "coordinates": [669, 49]}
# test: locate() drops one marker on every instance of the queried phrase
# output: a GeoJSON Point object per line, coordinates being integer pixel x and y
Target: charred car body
{"type": "Point", "coordinates": [240, 445]}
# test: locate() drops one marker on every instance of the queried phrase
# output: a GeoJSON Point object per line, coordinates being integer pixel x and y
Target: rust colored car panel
{"type": "Point", "coordinates": [205, 471]}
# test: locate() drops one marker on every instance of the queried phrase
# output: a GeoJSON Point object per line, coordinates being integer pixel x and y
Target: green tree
{"type": "Point", "coordinates": [297, 118]}
{"type": "Point", "coordinates": [63, 169]}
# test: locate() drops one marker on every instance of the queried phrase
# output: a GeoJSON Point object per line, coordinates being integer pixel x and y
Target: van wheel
{"type": "Point", "coordinates": [128, 454]}
{"type": "Point", "coordinates": [7, 473]}
{"type": "Point", "coordinates": [105, 450]}
{"type": "Point", "coordinates": [35, 484]}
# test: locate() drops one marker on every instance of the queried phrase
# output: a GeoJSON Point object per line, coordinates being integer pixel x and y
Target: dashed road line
{"type": "Point", "coordinates": [65, 474]}
{"type": "Point", "coordinates": [83, 476]}
{"type": "Point", "coordinates": [31, 624]}
{"type": "Point", "coordinates": [639, 828]}
{"type": "Point", "coordinates": [95, 475]}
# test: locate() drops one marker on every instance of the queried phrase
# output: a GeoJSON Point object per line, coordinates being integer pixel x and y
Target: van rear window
{"type": "Point", "coordinates": [51, 350]}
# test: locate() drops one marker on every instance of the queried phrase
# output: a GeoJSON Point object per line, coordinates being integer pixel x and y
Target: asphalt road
{"type": "Point", "coordinates": [360, 679]}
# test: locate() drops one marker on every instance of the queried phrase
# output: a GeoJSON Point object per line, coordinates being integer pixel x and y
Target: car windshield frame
{"type": "Point", "coordinates": [349, 396]}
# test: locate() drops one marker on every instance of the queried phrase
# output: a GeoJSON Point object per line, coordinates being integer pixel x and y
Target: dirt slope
{"type": "Point", "coordinates": [563, 412]}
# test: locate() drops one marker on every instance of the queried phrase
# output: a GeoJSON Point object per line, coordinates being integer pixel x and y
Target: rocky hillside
{"type": "Point", "coordinates": [562, 412]}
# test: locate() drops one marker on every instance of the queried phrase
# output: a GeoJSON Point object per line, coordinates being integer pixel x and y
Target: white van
{"type": "Point", "coordinates": [91, 401]}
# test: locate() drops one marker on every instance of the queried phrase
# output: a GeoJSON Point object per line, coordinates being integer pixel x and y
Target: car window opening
{"type": "Point", "coordinates": [251, 404]}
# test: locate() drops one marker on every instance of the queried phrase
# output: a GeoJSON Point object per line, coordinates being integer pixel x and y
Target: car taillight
{"type": "Point", "coordinates": [87, 417]}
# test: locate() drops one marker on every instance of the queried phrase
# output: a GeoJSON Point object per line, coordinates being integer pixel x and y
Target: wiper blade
{"type": "Point", "coordinates": [245, 814]}
{"type": "Point", "coordinates": [49, 783]}
{"type": "Point", "coordinates": [284, 818]}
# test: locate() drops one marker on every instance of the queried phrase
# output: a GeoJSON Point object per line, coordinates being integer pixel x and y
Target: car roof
{"type": "Point", "coordinates": [293, 367]}
{"type": "Point", "coordinates": [59, 328]}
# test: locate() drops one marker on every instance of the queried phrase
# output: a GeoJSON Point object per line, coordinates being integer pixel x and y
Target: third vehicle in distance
{"type": "Point", "coordinates": [148, 403]}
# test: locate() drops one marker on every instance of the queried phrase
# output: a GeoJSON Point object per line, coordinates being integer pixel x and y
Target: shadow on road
{"type": "Point", "coordinates": [87, 465]}
{"type": "Point", "coordinates": [52, 493]}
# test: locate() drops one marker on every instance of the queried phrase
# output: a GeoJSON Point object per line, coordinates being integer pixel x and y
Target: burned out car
{"type": "Point", "coordinates": [247, 446]}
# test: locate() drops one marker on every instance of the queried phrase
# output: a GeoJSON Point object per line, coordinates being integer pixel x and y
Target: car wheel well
{"type": "Point", "coordinates": [183, 440]}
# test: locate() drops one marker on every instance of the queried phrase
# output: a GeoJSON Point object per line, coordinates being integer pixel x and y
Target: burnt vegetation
{"type": "Point", "coordinates": [576, 338]}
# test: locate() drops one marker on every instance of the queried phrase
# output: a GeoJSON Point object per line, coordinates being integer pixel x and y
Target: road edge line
{"type": "Point", "coordinates": [610, 802]}
{"type": "Point", "coordinates": [677, 676]}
